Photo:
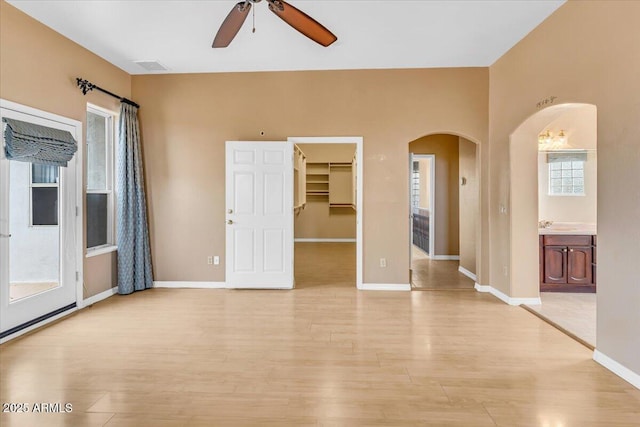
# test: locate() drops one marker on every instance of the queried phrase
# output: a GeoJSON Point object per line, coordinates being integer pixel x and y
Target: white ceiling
{"type": "Point", "coordinates": [371, 34]}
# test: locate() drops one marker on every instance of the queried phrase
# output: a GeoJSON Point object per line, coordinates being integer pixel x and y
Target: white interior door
{"type": "Point", "coordinates": [37, 236]}
{"type": "Point", "coordinates": [259, 215]}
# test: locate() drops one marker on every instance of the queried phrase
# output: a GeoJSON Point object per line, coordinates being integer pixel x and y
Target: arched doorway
{"type": "Point", "coordinates": [540, 194]}
{"type": "Point", "coordinates": [444, 211]}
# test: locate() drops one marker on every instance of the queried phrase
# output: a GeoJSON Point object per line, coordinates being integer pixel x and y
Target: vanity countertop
{"type": "Point", "coordinates": [569, 228]}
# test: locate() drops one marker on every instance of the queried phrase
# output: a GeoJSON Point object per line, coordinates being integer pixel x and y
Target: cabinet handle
{"type": "Point", "coordinates": [571, 250]}
{"type": "Point", "coordinates": [564, 250]}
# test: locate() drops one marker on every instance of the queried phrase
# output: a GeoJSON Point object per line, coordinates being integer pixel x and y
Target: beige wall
{"type": "Point", "coordinates": [446, 215]}
{"type": "Point", "coordinates": [594, 51]}
{"type": "Point", "coordinates": [580, 126]}
{"type": "Point", "coordinates": [568, 208]}
{"type": "Point", "coordinates": [317, 220]}
{"type": "Point", "coordinates": [38, 68]}
{"type": "Point", "coordinates": [469, 204]}
{"type": "Point", "coordinates": [186, 118]}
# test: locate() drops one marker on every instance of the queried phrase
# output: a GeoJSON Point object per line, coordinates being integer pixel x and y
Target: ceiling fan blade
{"type": "Point", "coordinates": [302, 22]}
{"type": "Point", "coordinates": [232, 24]}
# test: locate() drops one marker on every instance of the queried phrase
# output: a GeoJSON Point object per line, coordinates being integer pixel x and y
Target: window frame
{"type": "Point", "coordinates": [562, 194]}
{"type": "Point", "coordinates": [33, 185]}
{"type": "Point", "coordinates": [111, 124]}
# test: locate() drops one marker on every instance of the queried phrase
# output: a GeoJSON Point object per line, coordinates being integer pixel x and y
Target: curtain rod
{"type": "Point", "coordinates": [87, 86]}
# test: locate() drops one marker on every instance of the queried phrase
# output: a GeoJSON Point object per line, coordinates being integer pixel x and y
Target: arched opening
{"type": "Point", "coordinates": [553, 199]}
{"type": "Point", "coordinates": [444, 211]}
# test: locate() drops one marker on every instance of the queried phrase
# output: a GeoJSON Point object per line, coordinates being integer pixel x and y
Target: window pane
{"type": "Point", "coordinates": [579, 189]}
{"type": "Point", "coordinates": [97, 220]}
{"type": "Point", "coordinates": [44, 205]}
{"type": "Point", "coordinates": [96, 152]}
{"type": "Point", "coordinates": [578, 173]}
{"type": "Point", "coordinates": [44, 174]}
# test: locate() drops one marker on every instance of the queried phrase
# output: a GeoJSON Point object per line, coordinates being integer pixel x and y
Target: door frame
{"type": "Point", "coordinates": [359, 142]}
{"type": "Point", "coordinates": [432, 201]}
{"type": "Point", "coordinates": [79, 206]}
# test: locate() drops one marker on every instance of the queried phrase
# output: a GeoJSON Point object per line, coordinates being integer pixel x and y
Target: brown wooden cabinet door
{"type": "Point", "coordinates": [579, 266]}
{"type": "Point", "coordinates": [555, 264]}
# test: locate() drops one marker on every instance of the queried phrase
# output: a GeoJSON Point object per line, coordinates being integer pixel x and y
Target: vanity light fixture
{"type": "Point", "coordinates": [547, 141]}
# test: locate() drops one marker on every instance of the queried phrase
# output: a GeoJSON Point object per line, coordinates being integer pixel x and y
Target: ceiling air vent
{"type": "Point", "coordinates": [151, 65]}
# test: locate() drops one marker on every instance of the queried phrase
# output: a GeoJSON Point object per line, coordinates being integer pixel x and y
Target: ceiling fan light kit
{"type": "Point", "coordinates": [296, 18]}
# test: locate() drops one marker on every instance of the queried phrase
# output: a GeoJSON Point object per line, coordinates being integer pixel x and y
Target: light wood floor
{"type": "Point", "coordinates": [427, 274]}
{"type": "Point", "coordinates": [314, 356]}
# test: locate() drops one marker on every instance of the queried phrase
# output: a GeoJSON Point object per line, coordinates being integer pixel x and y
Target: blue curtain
{"type": "Point", "coordinates": [134, 253]}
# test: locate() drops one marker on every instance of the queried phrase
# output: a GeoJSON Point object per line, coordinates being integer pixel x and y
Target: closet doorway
{"type": "Point", "coordinates": [327, 211]}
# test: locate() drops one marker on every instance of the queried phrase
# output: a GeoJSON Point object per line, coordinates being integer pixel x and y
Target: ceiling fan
{"type": "Point", "coordinates": [289, 14]}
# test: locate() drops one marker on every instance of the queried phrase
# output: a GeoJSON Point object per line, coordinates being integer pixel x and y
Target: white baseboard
{"type": "Point", "coordinates": [330, 240]}
{"type": "Point", "coordinates": [467, 273]}
{"type": "Point", "coordinates": [101, 296]}
{"type": "Point", "coordinates": [190, 285]}
{"type": "Point", "coordinates": [506, 298]}
{"type": "Point", "coordinates": [38, 325]}
{"type": "Point", "coordinates": [622, 371]}
{"type": "Point", "coordinates": [445, 257]}
{"type": "Point", "coordinates": [385, 287]}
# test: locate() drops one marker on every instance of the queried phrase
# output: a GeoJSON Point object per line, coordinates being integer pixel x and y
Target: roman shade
{"type": "Point", "coordinates": [567, 157]}
{"type": "Point", "coordinates": [28, 142]}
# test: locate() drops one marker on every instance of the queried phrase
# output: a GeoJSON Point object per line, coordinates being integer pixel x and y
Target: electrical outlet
{"type": "Point", "coordinates": [216, 260]}
{"type": "Point", "coordinates": [210, 260]}
{"type": "Point", "coordinates": [503, 209]}
{"type": "Point", "coordinates": [383, 262]}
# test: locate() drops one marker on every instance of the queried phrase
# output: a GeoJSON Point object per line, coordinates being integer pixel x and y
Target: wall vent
{"type": "Point", "coordinates": [151, 65]}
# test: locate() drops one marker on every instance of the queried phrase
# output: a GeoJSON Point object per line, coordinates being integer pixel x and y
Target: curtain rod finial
{"type": "Point", "coordinates": [84, 85]}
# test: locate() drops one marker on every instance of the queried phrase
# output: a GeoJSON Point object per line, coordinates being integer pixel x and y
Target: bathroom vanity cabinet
{"type": "Point", "coordinates": [567, 263]}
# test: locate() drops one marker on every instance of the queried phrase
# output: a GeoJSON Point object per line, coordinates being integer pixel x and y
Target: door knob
{"type": "Point", "coordinates": [229, 221]}
{"type": "Point", "coordinates": [5, 235]}
{"type": "Point", "coordinates": [230, 211]}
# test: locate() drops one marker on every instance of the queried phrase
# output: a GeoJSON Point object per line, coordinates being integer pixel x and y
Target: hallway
{"type": "Point", "coordinates": [429, 275]}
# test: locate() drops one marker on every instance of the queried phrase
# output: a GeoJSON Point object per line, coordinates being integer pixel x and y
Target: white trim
{"type": "Point", "coordinates": [312, 240]}
{"type": "Point", "coordinates": [505, 298]}
{"type": "Point", "coordinates": [79, 198]}
{"type": "Point", "coordinates": [101, 251]}
{"type": "Point", "coordinates": [620, 370]}
{"type": "Point", "coordinates": [467, 273]}
{"type": "Point", "coordinates": [359, 141]}
{"type": "Point", "coordinates": [385, 287]}
{"type": "Point", "coordinates": [38, 325]}
{"type": "Point", "coordinates": [190, 285]}
{"type": "Point", "coordinates": [445, 257]}
{"type": "Point", "coordinates": [99, 297]}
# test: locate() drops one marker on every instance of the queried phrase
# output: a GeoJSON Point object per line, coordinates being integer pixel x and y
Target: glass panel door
{"type": "Point", "coordinates": [37, 236]}
{"type": "Point", "coordinates": [34, 247]}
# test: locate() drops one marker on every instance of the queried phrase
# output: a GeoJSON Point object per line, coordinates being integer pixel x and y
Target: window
{"type": "Point", "coordinates": [566, 177]}
{"type": "Point", "coordinates": [99, 179]}
{"type": "Point", "coordinates": [415, 185]}
{"type": "Point", "coordinates": [43, 187]}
